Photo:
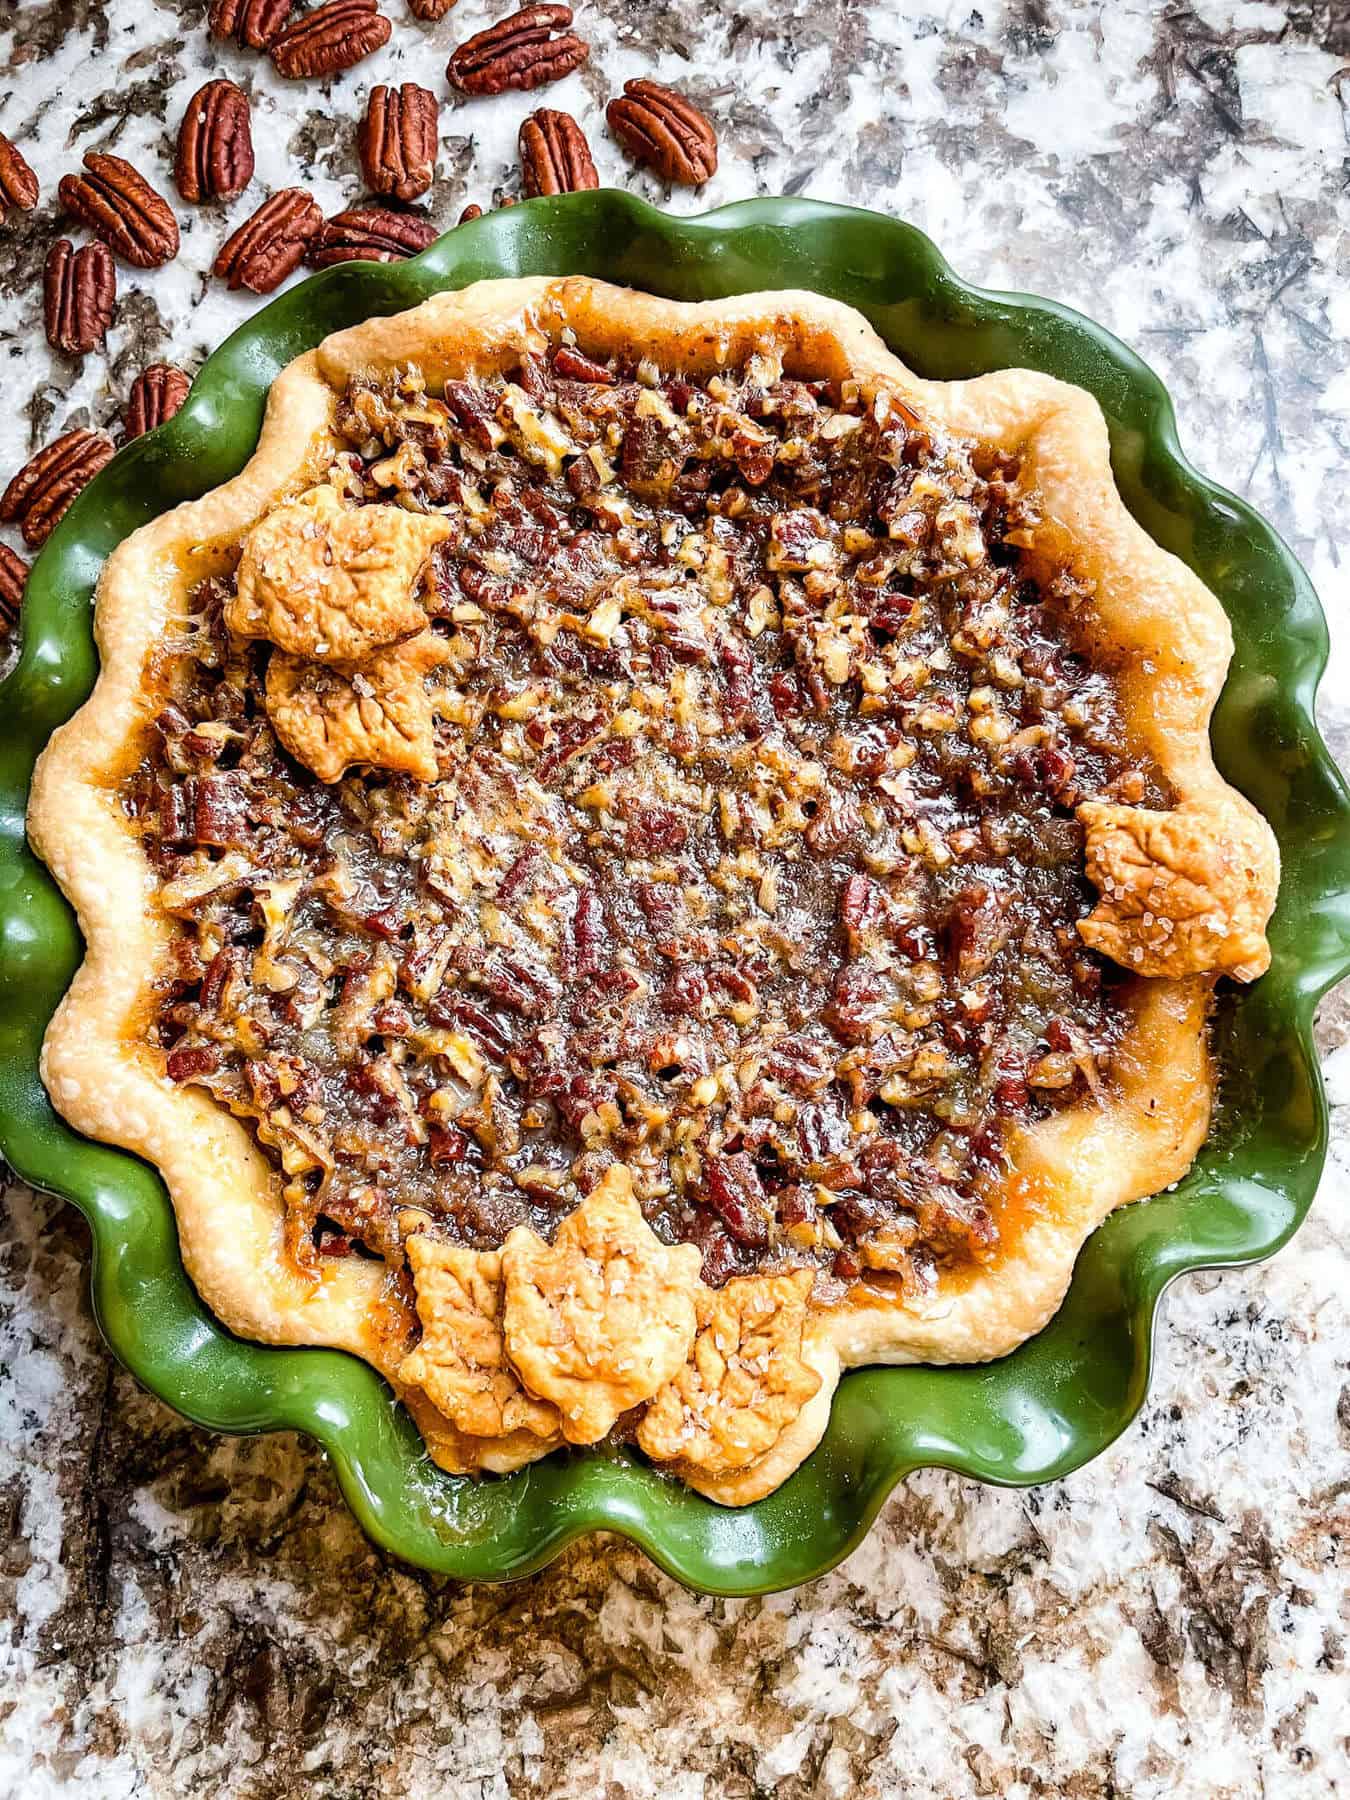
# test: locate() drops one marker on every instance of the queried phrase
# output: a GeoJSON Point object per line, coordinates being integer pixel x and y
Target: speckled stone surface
{"type": "Point", "coordinates": [181, 1615]}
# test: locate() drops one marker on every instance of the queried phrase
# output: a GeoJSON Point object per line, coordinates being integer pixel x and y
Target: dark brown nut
{"type": "Point", "coordinates": [396, 141]}
{"type": "Point", "coordinates": [79, 288]}
{"type": "Point", "coordinates": [13, 575]}
{"type": "Point", "coordinates": [156, 395]}
{"type": "Point", "coordinates": [518, 52]}
{"type": "Point", "coordinates": [122, 208]}
{"type": "Point", "coordinates": [371, 234]}
{"type": "Point", "coordinates": [215, 144]}
{"type": "Point", "coordinates": [333, 37]}
{"type": "Point", "coordinates": [252, 24]}
{"type": "Point", "coordinates": [270, 245]}
{"type": "Point", "coordinates": [429, 9]}
{"type": "Point", "coordinates": [661, 128]}
{"type": "Point", "coordinates": [45, 486]}
{"type": "Point", "coordinates": [18, 183]}
{"type": "Point", "coordinates": [554, 155]}
{"type": "Point", "coordinates": [472, 211]}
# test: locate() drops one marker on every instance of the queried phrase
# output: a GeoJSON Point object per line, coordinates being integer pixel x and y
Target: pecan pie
{"type": "Point", "coordinates": [639, 855]}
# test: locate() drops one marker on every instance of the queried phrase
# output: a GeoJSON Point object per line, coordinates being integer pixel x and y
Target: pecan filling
{"type": "Point", "coordinates": [750, 859]}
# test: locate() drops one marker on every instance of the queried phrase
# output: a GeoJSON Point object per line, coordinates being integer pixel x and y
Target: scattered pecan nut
{"type": "Point", "coordinates": [526, 50]}
{"type": "Point", "coordinates": [396, 141]}
{"type": "Point", "coordinates": [45, 486]}
{"type": "Point", "coordinates": [472, 211]}
{"type": "Point", "coordinates": [13, 575]}
{"type": "Point", "coordinates": [554, 155]}
{"type": "Point", "coordinates": [429, 10]}
{"type": "Point", "coordinates": [156, 395]}
{"type": "Point", "coordinates": [79, 288]}
{"type": "Point", "coordinates": [252, 24]}
{"type": "Point", "coordinates": [270, 245]}
{"type": "Point", "coordinates": [215, 144]}
{"type": "Point", "coordinates": [120, 206]}
{"type": "Point", "coordinates": [333, 37]}
{"type": "Point", "coordinates": [661, 128]}
{"type": "Point", "coordinates": [371, 234]}
{"type": "Point", "coordinates": [18, 183]}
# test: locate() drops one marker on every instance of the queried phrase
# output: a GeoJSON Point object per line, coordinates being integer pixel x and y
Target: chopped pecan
{"type": "Point", "coordinates": [371, 234]}
{"type": "Point", "coordinates": [215, 144]}
{"type": "Point", "coordinates": [272, 244]}
{"type": "Point", "coordinates": [605, 1317]}
{"type": "Point", "coordinates": [79, 288]}
{"type": "Point", "coordinates": [661, 128]}
{"type": "Point", "coordinates": [13, 575]}
{"type": "Point", "coordinates": [156, 395]}
{"type": "Point", "coordinates": [333, 582]}
{"type": "Point", "coordinates": [460, 1363]}
{"type": "Point", "coordinates": [120, 206]}
{"type": "Point", "coordinates": [396, 141]}
{"type": "Point", "coordinates": [45, 486]}
{"type": "Point", "coordinates": [251, 23]}
{"type": "Point", "coordinates": [380, 715]}
{"type": "Point", "coordinates": [527, 50]}
{"type": "Point", "coordinates": [745, 1380]}
{"type": "Point", "coordinates": [335, 36]}
{"type": "Point", "coordinates": [554, 155]}
{"type": "Point", "coordinates": [18, 183]}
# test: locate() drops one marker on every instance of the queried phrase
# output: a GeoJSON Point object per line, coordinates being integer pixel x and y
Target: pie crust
{"type": "Point", "coordinates": [539, 1344]}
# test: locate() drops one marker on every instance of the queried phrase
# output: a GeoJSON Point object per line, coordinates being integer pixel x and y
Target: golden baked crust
{"type": "Point", "coordinates": [601, 1319]}
{"type": "Point", "coordinates": [460, 1361]}
{"type": "Point", "coordinates": [1184, 896]}
{"type": "Point", "coordinates": [332, 582]}
{"type": "Point", "coordinates": [745, 1381]}
{"type": "Point", "coordinates": [379, 714]}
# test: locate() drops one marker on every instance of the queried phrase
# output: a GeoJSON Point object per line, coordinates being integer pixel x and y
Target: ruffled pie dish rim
{"type": "Point", "coordinates": [1052, 1404]}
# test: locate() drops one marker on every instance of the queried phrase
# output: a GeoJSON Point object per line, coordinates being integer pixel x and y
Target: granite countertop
{"type": "Point", "coordinates": [181, 1614]}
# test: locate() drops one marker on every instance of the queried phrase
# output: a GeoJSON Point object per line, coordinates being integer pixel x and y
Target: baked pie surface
{"type": "Point", "coordinates": [639, 855]}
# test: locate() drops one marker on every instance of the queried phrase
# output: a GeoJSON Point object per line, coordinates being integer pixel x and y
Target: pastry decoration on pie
{"type": "Point", "coordinates": [640, 855]}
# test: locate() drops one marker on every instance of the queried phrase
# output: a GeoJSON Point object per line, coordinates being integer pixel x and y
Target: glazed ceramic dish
{"type": "Point", "coordinates": [676, 1526]}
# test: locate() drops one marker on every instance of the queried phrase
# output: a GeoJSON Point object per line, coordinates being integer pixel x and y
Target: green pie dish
{"type": "Point", "coordinates": [1058, 1400]}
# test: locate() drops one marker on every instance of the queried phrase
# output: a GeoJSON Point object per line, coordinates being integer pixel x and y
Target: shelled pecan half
{"type": "Point", "coordinates": [429, 10]}
{"type": "Point", "coordinates": [13, 575]}
{"type": "Point", "coordinates": [554, 155]}
{"type": "Point", "coordinates": [371, 234]}
{"type": "Point", "coordinates": [215, 144]}
{"type": "Point", "coordinates": [252, 24]}
{"type": "Point", "coordinates": [119, 205]}
{"type": "Point", "coordinates": [37, 498]}
{"type": "Point", "coordinates": [18, 183]}
{"type": "Point", "coordinates": [474, 211]}
{"type": "Point", "coordinates": [271, 244]}
{"type": "Point", "coordinates": [79, 289]}
{"type": "Point", "coordinates": [661, 128]}
{"type": "Point", "coordinates": [526, 50]}
{"type": "Point", "coordinates": [396, 141]}
{"type": "Point", "coordinates": [335, 36]}
{"type": "Point", "coordinates": [156, 395]}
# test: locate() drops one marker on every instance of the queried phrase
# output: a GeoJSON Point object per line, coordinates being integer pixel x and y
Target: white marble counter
{"type": "Point", "coordinates": [182, 1615]}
